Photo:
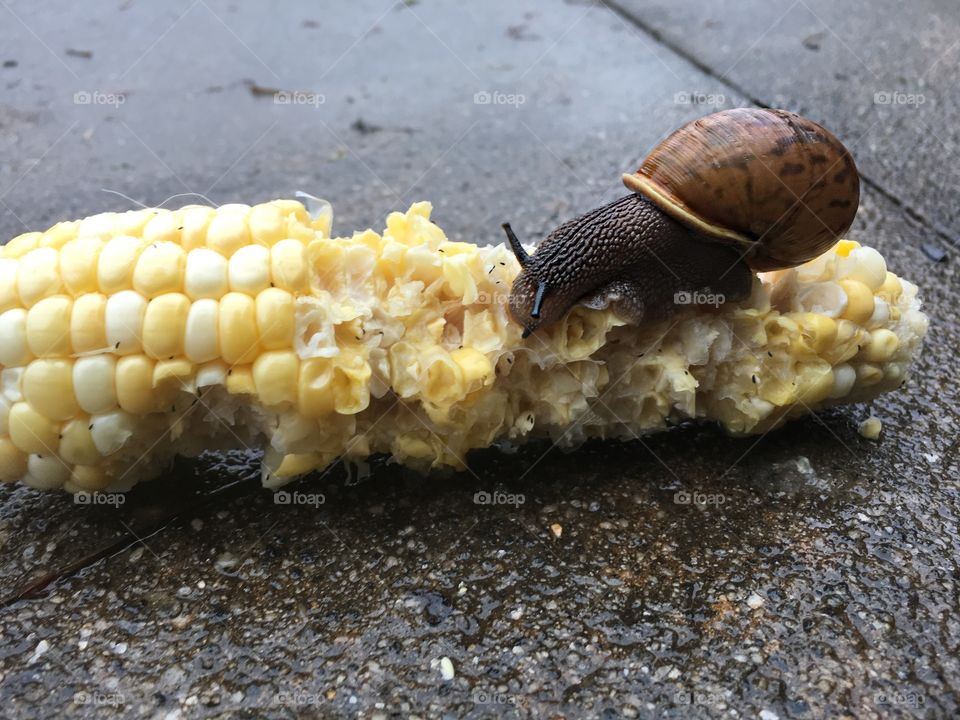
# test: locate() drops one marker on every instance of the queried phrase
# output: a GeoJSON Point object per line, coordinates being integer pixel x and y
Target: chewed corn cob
{"type": "Point", "coordinates": [127, 338]}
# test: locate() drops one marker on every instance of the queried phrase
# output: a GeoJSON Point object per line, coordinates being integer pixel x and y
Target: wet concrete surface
{"type": "Point", "coordinates": [818, 579]}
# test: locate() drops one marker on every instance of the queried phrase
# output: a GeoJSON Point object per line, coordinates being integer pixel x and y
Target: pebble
{"type": "Point", "coordinates": [871, 427]}
{"type": "Point", "coordinates": [755, 601]}
{"type": "Point", "coordinates": [39, 652]}
{"type": "Point", "coordinates": [556, 529]}
{"type": "Point", "coordinates": [446, 669]}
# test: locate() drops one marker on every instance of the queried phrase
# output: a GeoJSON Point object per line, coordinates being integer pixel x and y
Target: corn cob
{"type": "Point", "coordinates": [127, 338]}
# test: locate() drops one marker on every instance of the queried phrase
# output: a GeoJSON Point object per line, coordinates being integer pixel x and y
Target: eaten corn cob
{"type": "Point", "coordinates": [127, 338]}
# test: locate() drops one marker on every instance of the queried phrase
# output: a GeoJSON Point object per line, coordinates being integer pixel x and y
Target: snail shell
{"type": "Point", "coordinates": [772, 182]}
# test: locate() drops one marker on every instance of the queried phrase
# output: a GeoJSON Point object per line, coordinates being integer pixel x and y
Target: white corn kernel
{"type": "Point", "coordinates": [76, 443]}
{"type": "Point", "coordinates": [124, 322]}
{"type": "Point", "coordinates": [13, 338]}
{"type": "Point", "coordinates": [46, 472]}
{"type": "Point", "coordinates": [214, 373]}
{"type": "Point", "coordinates": [206, 275]}
{"type": "Point", "coordinates": [202, 341]}
{"type": "Point", "coordinates": [111, 431]}
{"type": "Point", "coordinates": [250, 269]}
{"type": "Point", "coordinates": [288, 265]}
{"type": "Point", "coordinates": [94, 382]}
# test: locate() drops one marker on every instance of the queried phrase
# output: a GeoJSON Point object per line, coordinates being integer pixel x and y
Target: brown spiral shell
{"type": "Point", "coordinates": [771, 181]}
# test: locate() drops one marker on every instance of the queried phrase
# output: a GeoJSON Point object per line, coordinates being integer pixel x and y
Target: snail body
{"type": "Point", "coordinates": [736, 192]}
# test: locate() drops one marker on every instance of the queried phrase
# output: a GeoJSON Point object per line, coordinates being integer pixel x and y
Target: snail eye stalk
{"type": "Point", "coordinates": [538, 300]}
{"type": "Point", "coordinates": [515, 245]}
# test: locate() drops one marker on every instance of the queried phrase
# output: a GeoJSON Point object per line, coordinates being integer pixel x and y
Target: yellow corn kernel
{"type": "Point", "coordinates": [206, 275]}
{"type": "Point", "coordinates": [275, 319]}
{"type": "Point", "coordinates": [892, 290]}
{"type": "Point", "coordinates": [38, 276]}
{"type": "Point", "coordinates": [60, 234]}
{"type": "Point", "coordinates": [476, 367]}
{"type": "Point", "coordinates": [196, 220]}
{"type": "Point", "coordinates": [159, 270]}
{"type": "Point", "coordinates": [164, 325]}
{"type": "Point", "coordinates": [132, 222]}
{"type": "Point", "coordinates": [814, 382]}
{"type": "Point", "coordinates": [868, 374]}
{"type": "Point", "coordinates": [240, 381]}
{"type": "Point", "coordinates": [351, 383]}
{"type": "Point", "coordinates": [88, 324]}
{"type": "Point", "coordinates": [124, 317]}
{"type": "Point", "coordinates": [135, 384]}
{"type": "Point", "coordinates": [860, 303]}
{"type": "Point", "coordinates": [267, 224]}
{"type": "Point", "coordinates": [100, 225]}
{"type": "Point", "coordinates": [249, 270]}
{"type": "Point", "coordinates": [21, 245]}
{"type": "Point", "coordinates": [295, 465]}
{"type": "Point", "coordinates": [819, 331]}
{"type": "Point", "coordinates": [9, 298]}
{"type": "Point", "coordinates": [90, 478]}
{"type": "Point", "coordinates": [78, 265]}
{"type": "Point", "coordinates": [288, 265]}
{"type": "Point", "coordinates": [292, 208]}
{"type": "Point", "coordinates": [13, 462]}
{"type": "Point", "coordinates": [177, 373]}
{"type": "Point", "coordinates": [845, 247]}
{"type": "Point", "coordinates": [48, 327]}
{"type": "Point", "coordinates": [275, 375]}
{"type": "Point", "coordinates": [94, 382]}
{"type": "Point", "coordinates": [228, 232]}
{"type": "Point", "coordinates": [164, 227]}
{"type": "Point", "coordinates": [48, 387]}
{"type": "Point", "coordinates": [118, 258]}
{"type": "Point", "coordinates": [880, 347]}
{"type": "Point", "coordinates": [314, 396]}
{"type": "Point", "coordinates": [14, 350]}
{"type": "Point", "coordinates": [76, 443]}
{"type": "Point", "coordinates": [202, 339]}
{"type": "Point", "coordinates": [31, 432]}
{"type": "Point", "coordinates": [239, 339]}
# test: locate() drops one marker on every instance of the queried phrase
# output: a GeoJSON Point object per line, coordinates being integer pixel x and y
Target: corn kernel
{"type": "Point", "coordinates": [46, 472]}
{"type": "Point", "coordinates": [819, 331]}
{"type": "Point", "coordinates": [38, 276]}
{"type": "Point", "coordinates": [276, 321]}
{"type": "Point", "coordinates": [214, 373]}
{"type": "Point", "coordinates": [476, 367]}
{"type": "Point", "coordinates": [13, 462]}
{"type": "Point", "coordinates": [100, 225]}
{"type": "Point", "coordinates": [90, 478]}
{"type": "Point", "coordinates": [351, 383]}
{"type": "Point", "coordinates": [844, 377]}
{"type": "Point", "coordinates": [880, 347]}
{"type": "Point", "coordinates": [4, 415]}
{"type": "Point", "coordinates": [111, 431]}
{"type": "Point", "coordinates": [79, 260]}
{"type": "Point", "coordinates": [239, 340]}
{"type": "Point", "coordinates": [88, 324]}
{"type": "Point", "coordinates": [275, 375]}
{"type": "Point", "coordinates": [9, 298]}
{"type": "Point", "coordinates": [14, 350]}
{"type": "Point", "coordinates": [206, 275]}
{"type": "Point", "coordinates": [228, 232]}
{"type": "Point", "coordinates": [196, 219]}
{"type": "Point", "coordinates": [892, 290]}
{"type": "Point", "coordinates": [173, 375]}
{"type": "Point", "coordinates": [59, 235]}
{"type": "Point", "coordinates": [267, 224]}
{"type": "Point", "coordinates": [118, 258]}
{"type": "Point", "coordinates": [240, 381]}
{"type": "Point", "coordinates": [124, 317]}
{"type": "Point", "coordinates": [10, 383]}
{"type": "Point", "coordinates": [32, 432]}
{"type": "Point", "coordinates": [76, 443]}
{"type": "Point", "coordinates": [292, 208]}
{"type": "Point", "coordinates": [288, 265]}
{"type": "Point", "coordinates": [94, 381]}
{"type": "Point", "coordinates": [21, 245]}
{"type": "Point", "coordinates": [159, 270]}
{"type": "Point", "coordinates": [163, 227]}
{"type": "Point", "coordinates": [296, 465]}
{"type": "Point", "coordinates": [314, 396]}
{"type": "Point", "coordinates": [135, 384]}
{"type": "Point", "coordinates": [845, 247]}
{"type": "Point", "coordinates": [132, 222]}
{"type": "Point", "coordinates": [48, 387]}
{"type": "Point", "coordinates": [250, 270]}
{"type": "Point", "coordinates": [48, 327]}
{"type": "Point", "coordinates": [165, 324]}
{"type": "Point", "coordinates": [868, 374]}
{"type": "Point", "coordinates": [859, 301]}
{"type": "Point", "coordinates": [202, 339]}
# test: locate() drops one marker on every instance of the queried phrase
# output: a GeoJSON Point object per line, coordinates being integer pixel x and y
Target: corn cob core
{"type": "Point", "coordinates": [126, 338]}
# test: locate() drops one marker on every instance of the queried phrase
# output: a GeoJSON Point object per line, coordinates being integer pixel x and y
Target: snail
{"type": "Point", "coordinates": [736, 192]}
